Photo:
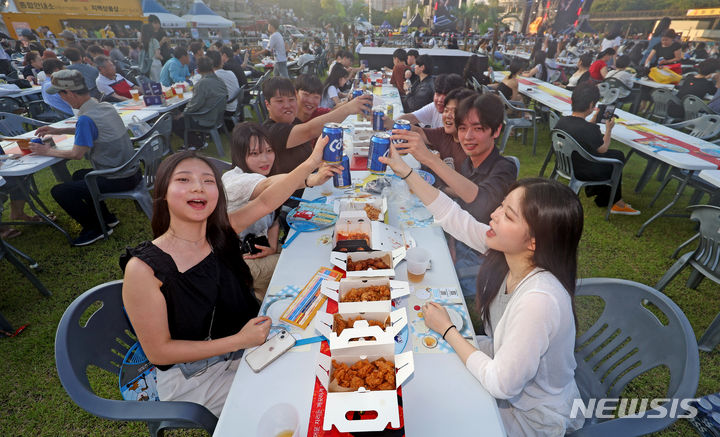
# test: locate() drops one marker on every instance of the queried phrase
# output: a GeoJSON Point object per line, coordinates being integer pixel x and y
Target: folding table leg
{"type": "Point", "coordinates": [25, 271]}
{"type": "Point", "coordinates": [681, 187]}
{"type": "Point", "coordinates": [5, 325]}
{"type": "Point", "coordinates": [37, 211]}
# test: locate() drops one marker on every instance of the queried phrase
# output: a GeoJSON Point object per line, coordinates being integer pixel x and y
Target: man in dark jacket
{"type": "Point", "coordinates": [423, 90]}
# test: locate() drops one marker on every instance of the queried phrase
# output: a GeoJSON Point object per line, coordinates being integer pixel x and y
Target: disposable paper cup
{"type": "Point", "coordinates": [418, 260]}
{"type": "Point", "coordinates": [278, 420]}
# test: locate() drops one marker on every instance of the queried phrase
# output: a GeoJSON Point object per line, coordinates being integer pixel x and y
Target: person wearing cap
{"type": "Point", "coordinates": [101, 136]}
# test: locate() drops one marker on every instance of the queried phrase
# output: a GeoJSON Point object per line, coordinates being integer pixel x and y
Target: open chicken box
{"type": "Point", "coordinates": [337, 291]}
{"type": "Point", "coordinates": [394, 322]}
{"type": "Point", "coordinates": [373, 206]}
{"type": "Point", "coordinates": [341, 400]}
{"type": "Point", "coordinates": [357, 238]}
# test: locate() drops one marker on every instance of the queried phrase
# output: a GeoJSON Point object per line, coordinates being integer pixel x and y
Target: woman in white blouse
{"type": "Point", "coordinates": [525, 296]}
{"type": "Point", "coordinates": [254, 171]}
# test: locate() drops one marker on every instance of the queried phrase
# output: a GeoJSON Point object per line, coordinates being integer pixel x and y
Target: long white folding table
{"type": "Point", "coordinates": [440, 398]}
{"type": "Point", "coordinates": [171, 103]}
{"type": "Point", "coordinates": [31, 164]}
{"type": "Point", "coordinates": [644, 136]}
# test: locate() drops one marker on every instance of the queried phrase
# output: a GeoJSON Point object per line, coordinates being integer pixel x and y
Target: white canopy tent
{"type": "Point", "coordinates": [201, 16]}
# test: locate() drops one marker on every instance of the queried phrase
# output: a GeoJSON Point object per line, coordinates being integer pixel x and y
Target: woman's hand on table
{"type": "Point", "coordinates": [264, 251]}
{"type": "Point", "coordinates": [324, 173]}
{"type": "Point", "coordinates": [395, 161]}
{"type": "Point", "coordinates": [436, 317]}
{"type": "Point", "coordinates": [414, 145]}
{"type": "Point", "coordinates": [254, 333]}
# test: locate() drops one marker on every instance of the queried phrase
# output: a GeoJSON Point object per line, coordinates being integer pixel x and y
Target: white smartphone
{"type": "Point", "coordinates": [269, 351]}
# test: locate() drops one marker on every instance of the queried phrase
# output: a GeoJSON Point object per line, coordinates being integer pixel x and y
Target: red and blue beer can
{"type": "Point", "coordinates": [401, 124]}
{"type": "Point", "coordinates": [343, 180]}
{"type": "Point", "coordinates": [379, 146]}
{"type": "Point", "coordinates": [333, 151]}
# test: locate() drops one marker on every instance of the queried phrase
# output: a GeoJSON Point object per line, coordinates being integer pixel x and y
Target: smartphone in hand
{"type": "Point", "coordinates": [605, 112]}
{"type": "Point", "coordinates": [269, 351]}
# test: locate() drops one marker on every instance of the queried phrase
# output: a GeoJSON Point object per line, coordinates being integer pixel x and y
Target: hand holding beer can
{"type": "Point", "coordinates": [333, 150]}
{"type": "Point", "coordinates": [379, 146]}
{"type": "Point", "coordinates": [343, 180]}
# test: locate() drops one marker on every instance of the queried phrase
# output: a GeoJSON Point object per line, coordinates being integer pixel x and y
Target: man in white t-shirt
{"type": "Point", "coordinates": [231, 83]}
{"type": "Point", "coordinates": [276, 47]}
{"type": "Point", "coordinates": [431, 114]}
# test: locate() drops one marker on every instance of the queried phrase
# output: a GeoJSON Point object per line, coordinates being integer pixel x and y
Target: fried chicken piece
{"type": "Point", "coordinates": [367, 294]}
{"type": "Point", "coordinates": [374, 379]}
{"type": "Point", "coordinates": [372, 212]}
{"type": "Point", "coordinates": [386, 386]}
{"type": "Point", "coordinates": [376, 375]}
{"type": "Point", "coordinates": [374, 263]}
{"type": "Point", "coordinates": [339, 324]}
{"type": "Point", "coordinates": [356, 382]}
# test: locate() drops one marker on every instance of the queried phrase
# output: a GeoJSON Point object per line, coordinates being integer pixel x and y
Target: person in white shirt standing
{"type": "Point", "coordinates": [525, 295]}
{"type": "Point", "coordinates": [276, 47]}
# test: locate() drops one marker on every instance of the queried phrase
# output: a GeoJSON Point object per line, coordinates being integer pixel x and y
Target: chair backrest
{"type": "Point", "coordinates": [553, 118]}
{"type": "Point", "coordinates": [516, 161]}
{"type": "Point", "coordinates": [694, 106]}
{"type": "Point", "coordinates": [8, 104]}
{"type": "Point", "coordinates": [661, 98]}
{"type": "Point", "coordinates": [309, 67]}
{"type": "Point", "coordinates": [628, 339]}
{"type": "Point", "coordinates": [12, 124]}
{"type": "Point", "coordinates": [708, 252]}
{"type": "Point", "coordinates": [610, 96]}
{"type": "Point", "coordinates": [150, 154]}
{"type": "Point", "coordinates": [563, 145]}
{"type": "Point", "coordinates": [615, 83]}
{"type": "Point", "coordinates": [103, 341]}
{"type": "Point", "coordinates": [553, 75]}
{"type": "Point", "coordinates": [704, 126]}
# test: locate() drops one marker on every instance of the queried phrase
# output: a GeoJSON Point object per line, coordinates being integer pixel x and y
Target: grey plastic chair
{"type": "Point", "coordinates": [615, 83]}
{"type": "Point", "coordinates": [12, 124]}
{"type": "Point", "coordinates": [239, 98]}
{"type": "Point", "coordinates": [553, 118]}
{"type": "Point", "coordinates": [149, 155]}
{"type": "Point", "coordinates": [564, 146]}
{"type": "Point", "coordinates": [163, 126]}
{"type": "Point", "coordinates": [694, 107]}
{"type": "Point", "coordinates": [40, 110]}
{"type": "Point", "coordinates": [520, 122]}
{"type": "Point", "coordinates": [608, 95]}
{"type": "Point", "coordinates": [192, 124]}
{"type": "Point", "coordinates": [661, 98]}
{"type": "Point", "coordinates": [8, 104]}
{"type": "Point", "coordinates": [102, 341]}
{"type": "Point", "coordinates": [705, 259]}
{"type": "Point", "coordinates": [704, 126]}
{"type": "Point", "coordinates": [604, 367]}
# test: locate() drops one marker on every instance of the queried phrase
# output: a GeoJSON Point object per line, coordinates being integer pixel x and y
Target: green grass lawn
{"type": "Point", "coordinates": [34, 402]}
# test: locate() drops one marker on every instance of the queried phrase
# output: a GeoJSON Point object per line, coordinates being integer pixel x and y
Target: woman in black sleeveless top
{"type": "Point", "coordinates": [188, 293]}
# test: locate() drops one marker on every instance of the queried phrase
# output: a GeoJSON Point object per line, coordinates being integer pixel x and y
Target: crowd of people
{"type": "Point", "coordinates": [192, 292]}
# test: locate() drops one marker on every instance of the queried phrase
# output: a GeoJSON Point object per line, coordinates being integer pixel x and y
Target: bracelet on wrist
{"type": "Point", "coordinates": [448, 330]}
{"type": "Point", "coordinates": [407, 175]}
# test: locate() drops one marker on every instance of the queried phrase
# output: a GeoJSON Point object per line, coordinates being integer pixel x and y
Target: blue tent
{"type": "Point", "coordinates": [151, 7]}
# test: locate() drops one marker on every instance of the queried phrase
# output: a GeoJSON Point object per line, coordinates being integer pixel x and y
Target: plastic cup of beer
{"type": "Point", "coordinates": [280, 420]}
{"type": "Point", "coordinates": [180, 91]}
{"type": "Point", "coordinates": [135, 95]}
{"type": "Point", "coordinates": [418, 260]}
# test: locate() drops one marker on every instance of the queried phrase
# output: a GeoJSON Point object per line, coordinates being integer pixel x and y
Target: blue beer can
{"type": "Point", "coordinates": [377, 120]}
{"type": "Point", "coordinates": [379, 146]}
{"type": "Point", "coordinates": [357, 92]}
{"type": "Point", "coordinates": [401, 124]}
{"type": "Point", "coordinates": [343, 180]}
{"type": "Point", "coordinates": [333, 151]}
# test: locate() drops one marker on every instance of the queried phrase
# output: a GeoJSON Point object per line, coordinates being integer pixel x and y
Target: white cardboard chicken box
{"type": "Point", "coordinates": [337, 290]}
{"type": "Point", "coordinates": [356, 236]}
{"type": "Point", "coordinates": [341, 400]}
{"type": "Point", "coordinates": [325, 321]}
{"type": "Point", "coordinates": [358, 203]}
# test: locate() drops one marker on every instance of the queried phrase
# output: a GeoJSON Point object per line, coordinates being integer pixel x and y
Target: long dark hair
{"type": "Point", "coordinates": [475, 68]}
{"type": "Point", "coordinates": [515, 66]}
{"type": "Point", "coordinates": [338, 72]}
{"type": "Point", "coordinates": [146, 34]}
{"type": "Point", "coordinates": [221, 236]}
{"type": "Point", "coordinates": [555, 219]}
{"type": "Point", "coordinates": [241, 140]}
{"type": "Point", "coordinates": [540, 57]}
